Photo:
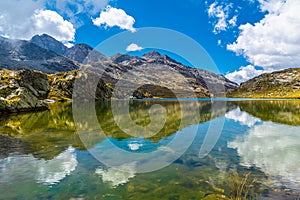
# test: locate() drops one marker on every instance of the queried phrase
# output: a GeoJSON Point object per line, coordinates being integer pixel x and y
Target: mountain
{"type": "Point", "coordinates": [47, 42]}
{"type": "Point", "coordinates": [85, 54]}
{"type": "Point", "coordinates": [156, 75]}
{"type": "Point", "coordinates": [152, 75]}
{"type": "Point", "coordinates": [279, 84]}
{"type": "Point", "coordinates": [81, 53]}
{"type": "Point", "coordinates": [20, 54]}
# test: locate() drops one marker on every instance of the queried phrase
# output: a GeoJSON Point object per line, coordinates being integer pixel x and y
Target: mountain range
{"type": "Point", "coordinates": [151, 71]}
{"type": "Point", "coordinates": [121, 76]}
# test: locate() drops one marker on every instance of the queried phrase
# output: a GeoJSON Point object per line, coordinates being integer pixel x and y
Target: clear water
{"type": "Point", "coordinates": [55, 154]}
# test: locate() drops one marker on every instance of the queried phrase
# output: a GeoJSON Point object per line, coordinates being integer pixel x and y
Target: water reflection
{"type": "Point", "coordinates": [47, 134]}
{"type": "Point", "coordinates": [117, 175]}
{"type": "Point", "coordinates": [243, 117]}
{"type": "Point", "coordinates": [41, 149]}
{"type": "Point", "coordinates": [20, 167]}
{"type": "Point", "coordinates": [271, 147]}
{"type": "Point", "coordinates": [279, 111]}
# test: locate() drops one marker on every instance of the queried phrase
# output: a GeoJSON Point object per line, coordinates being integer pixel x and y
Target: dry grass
{"type": "Point", "coordinates": [241, 187]}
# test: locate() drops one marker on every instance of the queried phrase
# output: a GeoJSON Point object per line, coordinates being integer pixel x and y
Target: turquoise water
{"type": "Point", "coordinates": [179, 150]}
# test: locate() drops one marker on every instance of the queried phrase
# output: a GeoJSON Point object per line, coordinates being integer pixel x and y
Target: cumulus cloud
{"type": "Point", "coordinates": [111, 17]}
{"type": "Point", "coordinates": [134, 47]}
{"type": "Point", "coordinates": [275, 152]}
{"type": "Point", "coordinates": [221, 14]}
{"type": "Point", "coordinates": [271, 6]}
{"type": "Point", "coordinates": [50, 22]}
{"type": "Point", "coordinates": [23, 22]}
{"type": "Point", "coordinates": [274, 42]}
{"type": "Point", "coordinates": [245, 73]}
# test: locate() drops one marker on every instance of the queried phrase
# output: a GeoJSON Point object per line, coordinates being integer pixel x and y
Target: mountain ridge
{"type": "Point", "coordinates": [84, 57]}
{"type": "Point", "coordinates": [21, 54]}
{"type": "Point", "coordinates": [279, 84]}
{"type": "Point", "coordinates": [120, 76]}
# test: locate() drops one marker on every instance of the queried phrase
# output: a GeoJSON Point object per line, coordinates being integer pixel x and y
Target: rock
{"type": "Point", "coordinates": [22, 91]}
{"type": "Point", "coordinates": [62, 85]}
{"type": "Point", "coordinates": [36, 82]}
{"type": "Point", "coordinates": [28, 90]}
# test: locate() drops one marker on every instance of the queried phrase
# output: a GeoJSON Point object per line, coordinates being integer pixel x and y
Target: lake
{"type": "Point", "coordinates": [153, 149]}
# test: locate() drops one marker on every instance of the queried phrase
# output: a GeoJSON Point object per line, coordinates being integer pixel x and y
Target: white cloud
{"type": "Point", "coordinates": [274, 151]}
{"type": "Point", "coordinates": [233, 21]}
{"type": "Point", "coordinates": [29, 19]}
{"type": "Point", "coordinates": [244, 73]}
{"type": "Point", "coordinates": [244, 118]}
{"type": "Point", "coordinates": [274, 42]}
{"type": "Point", "coordinates": [221, 14]}
{"type": "Point", "coordinates": [50, 22]}
{"type": "Point", "coordinates": [134, 47]}
{"type": "Point", "coordinates": [111, 17]}
{"type": "Point", "coordinates": [271, 6]}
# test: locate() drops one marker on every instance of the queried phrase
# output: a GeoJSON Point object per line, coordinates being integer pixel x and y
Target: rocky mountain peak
{"type": "Point", "coordinates": [152, 55]}
{"type": "Point", "coordinates": [47, 42]}
{"type": "Point", "coordinates": [122, 58]}
{"type": "Point", "coordinates": [81, 53]}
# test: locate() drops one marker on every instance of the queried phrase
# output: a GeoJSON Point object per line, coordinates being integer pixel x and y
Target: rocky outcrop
{"type": "Point", "coordinates": [280, 84]}
{"type": "Point", "coordinates": [62, 85]}
{"type": "Point", "coordinates": [22, 90]}
{"type": "Point", "coordinates": [28, 90]}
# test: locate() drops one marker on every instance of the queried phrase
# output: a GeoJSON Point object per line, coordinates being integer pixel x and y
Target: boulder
{"type": "Point", "coordinates": [22, 91]}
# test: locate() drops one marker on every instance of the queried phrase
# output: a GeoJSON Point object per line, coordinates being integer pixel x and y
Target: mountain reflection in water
{"type": "Point", "coordinates": [43, 149]}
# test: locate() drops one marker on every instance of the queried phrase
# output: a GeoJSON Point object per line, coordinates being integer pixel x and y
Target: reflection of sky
{"type": "Point", "coordinates": [133, 144]}
{"type": "Point", "coordinates": [274, 148]}
{"type": "Point", "coordinates": [117, 175]}
{"type": "Point", "coordinates": [242, 117]}
{"type": "Point", "coordinates": [43, 171]}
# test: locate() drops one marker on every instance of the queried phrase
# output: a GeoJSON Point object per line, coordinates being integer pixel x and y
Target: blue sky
{"type": "Point", "coordinates": [244, 38]}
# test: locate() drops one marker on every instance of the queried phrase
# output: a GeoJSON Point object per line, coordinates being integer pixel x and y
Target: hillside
{"type": "Point", "coordinates": [280, 84]}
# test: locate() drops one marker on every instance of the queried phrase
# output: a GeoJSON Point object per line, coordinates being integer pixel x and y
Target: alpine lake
{"type": "Point", "coordinates": [166, 149]}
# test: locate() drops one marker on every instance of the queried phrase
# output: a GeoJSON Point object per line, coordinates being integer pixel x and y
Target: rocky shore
{"type": "Point", "coordinates": [29, 90]}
